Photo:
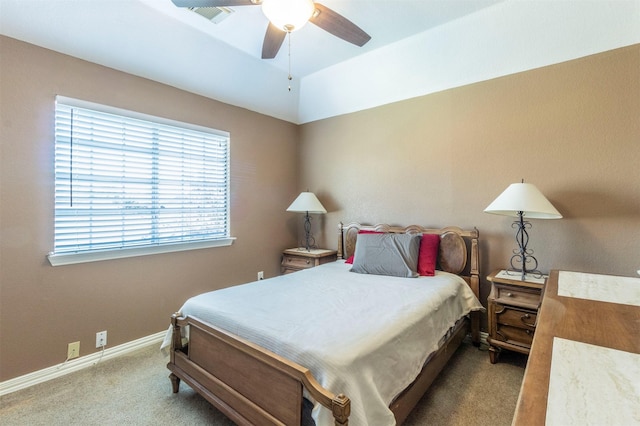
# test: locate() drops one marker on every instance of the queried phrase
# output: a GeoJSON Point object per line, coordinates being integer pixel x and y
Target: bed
{"type": "Point", "coordinates": [309, 348]}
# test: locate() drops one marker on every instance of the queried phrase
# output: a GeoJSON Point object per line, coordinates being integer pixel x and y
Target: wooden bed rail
{"type": "Point", "coordinates": [226, 365]}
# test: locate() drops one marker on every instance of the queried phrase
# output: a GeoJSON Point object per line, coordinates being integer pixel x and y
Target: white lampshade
{"type": "Point", "coordinates": [288, 15]}
{"type": "Point", "coordinates": [306, 202]}
{"type": "Point", "coordinates": [526, 198]}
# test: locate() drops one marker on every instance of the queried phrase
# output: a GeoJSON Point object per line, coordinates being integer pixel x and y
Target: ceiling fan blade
{"type": "Point", "coordinates": [338, 25]}
{"type": "Point", "coordinates": [214, 3]}
{"type": "Point", "coordinates": [272, 41]}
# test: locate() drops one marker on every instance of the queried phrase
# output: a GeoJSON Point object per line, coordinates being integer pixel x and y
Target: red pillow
{"type": "Point", "coordinates": [428, 255]}
{"type": "Point", "coordinates": [362, 231]}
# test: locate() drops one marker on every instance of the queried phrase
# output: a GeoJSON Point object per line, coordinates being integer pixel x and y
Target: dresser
{"type": "Point", "coordinates": [584, 364]}
{"type": "Point", "coordinates": [296, 259]}
{"type": "Point", "coordinates": [512, 313]}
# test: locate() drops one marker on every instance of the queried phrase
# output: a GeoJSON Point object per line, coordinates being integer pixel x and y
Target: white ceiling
{"type": "Point", "coordinates": [411, 39]}
{"type": "Point", "coordinates": [313, 48]}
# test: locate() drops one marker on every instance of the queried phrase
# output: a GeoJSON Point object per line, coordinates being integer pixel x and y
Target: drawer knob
{"type": "Point", "coordinates": [509, 294]}
{"type": "Point", "coordinates": [308, 261]}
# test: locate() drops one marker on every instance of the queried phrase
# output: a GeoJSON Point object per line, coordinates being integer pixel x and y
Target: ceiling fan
{"type": "Point", "coordinates": [286, 16]}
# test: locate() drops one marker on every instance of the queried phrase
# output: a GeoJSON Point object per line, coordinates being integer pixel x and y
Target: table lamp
{"type": "Point", "coordinates": [307, 203]}
{"type": "Point", "coordinates": [523, 200]}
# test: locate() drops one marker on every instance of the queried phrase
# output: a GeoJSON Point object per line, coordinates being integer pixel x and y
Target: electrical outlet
{"type": "Point", "coordinates": [261, 275]}
{"type": "Point", "coordinates": [101, 339]}
{"type": "Point", "coordinates": [73, 350]}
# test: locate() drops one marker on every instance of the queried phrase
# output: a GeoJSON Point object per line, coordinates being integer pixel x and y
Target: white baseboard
{"type": "Point", "coordinates": [73, 365]}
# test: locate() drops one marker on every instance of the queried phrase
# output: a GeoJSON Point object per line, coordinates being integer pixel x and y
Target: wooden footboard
{"type": "Point", "coordinates": [253, 386]}
{"type": "Point", "coordinates": [249, 384]}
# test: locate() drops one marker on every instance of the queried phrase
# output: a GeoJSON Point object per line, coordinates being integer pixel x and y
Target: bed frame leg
{"type": "Point", "coordinates": [341, 408]}
{"type": "Point", "coordinates": [475, 287]}
{"type": "Point", "coordinates": [175, 382]}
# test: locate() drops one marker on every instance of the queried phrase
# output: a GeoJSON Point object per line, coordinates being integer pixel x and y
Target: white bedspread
{"type": "Point", "coordinates": [366, 336]}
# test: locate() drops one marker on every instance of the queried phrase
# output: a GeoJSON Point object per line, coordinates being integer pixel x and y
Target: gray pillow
{"type": "Point", "coordinates": [387, 254]}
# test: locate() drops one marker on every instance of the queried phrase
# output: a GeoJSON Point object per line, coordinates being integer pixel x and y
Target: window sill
{"type": "Point", "coordinates": [73, 258]}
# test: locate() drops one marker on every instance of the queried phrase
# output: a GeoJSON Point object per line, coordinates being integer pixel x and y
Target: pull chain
{"type": "Point", "coordinates": [290, 78]}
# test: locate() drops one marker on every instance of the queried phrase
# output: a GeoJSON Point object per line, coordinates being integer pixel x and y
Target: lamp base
{"type": "Point", "coordinates": [309, 241]}
{"type": "Point", "coordinates": [522, 255]}
{"type": "Point", "coordinates": [526, 275]}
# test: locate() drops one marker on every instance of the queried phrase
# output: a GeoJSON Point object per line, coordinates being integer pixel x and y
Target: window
{"type": "Point", "coordinates": [128, 184]}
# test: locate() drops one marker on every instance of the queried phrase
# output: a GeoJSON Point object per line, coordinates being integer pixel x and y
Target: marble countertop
{"type": "Point", "coordinates": [592, 385]}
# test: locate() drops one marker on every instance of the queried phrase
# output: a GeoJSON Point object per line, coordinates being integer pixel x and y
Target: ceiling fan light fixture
{"type": "Point", "coordinates": [288, 15]}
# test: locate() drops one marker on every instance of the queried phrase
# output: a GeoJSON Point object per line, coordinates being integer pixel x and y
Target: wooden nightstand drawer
{"type": "Point", "coordinates": [291, 261]}
{"type": "Point", "coordinates": [298, 259]}
{"type": "Point", "coordinates": [514, 335]}
{"type": "Point", "coordinates": [515, 317]}
{"type": "Point", "coordinates": [509, 294]}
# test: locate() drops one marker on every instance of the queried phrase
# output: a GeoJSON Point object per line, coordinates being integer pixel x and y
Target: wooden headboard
{"type": "Point", "coordinates": [458, 252]}
{"type": "Point", "coordinates": [453, 255]}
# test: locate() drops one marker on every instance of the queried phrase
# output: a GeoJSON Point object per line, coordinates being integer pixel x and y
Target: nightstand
{"type": "Point", "coordinates": [513, 310]}
{"type": "Point", "coordinates": [296, 259]}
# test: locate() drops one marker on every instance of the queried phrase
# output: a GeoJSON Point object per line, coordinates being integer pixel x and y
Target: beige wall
{"type": "Point", "coordinates": [571, 129]}
{"type": "Point", "coordinates": [43, 308]}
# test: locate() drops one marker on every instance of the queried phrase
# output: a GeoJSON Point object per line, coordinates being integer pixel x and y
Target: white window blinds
{"type": "Point", "coordinates": [123, 182]}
